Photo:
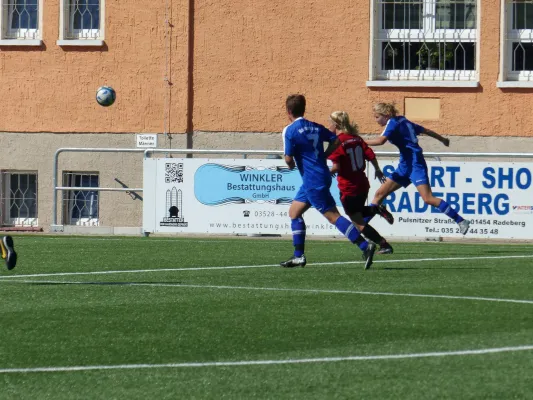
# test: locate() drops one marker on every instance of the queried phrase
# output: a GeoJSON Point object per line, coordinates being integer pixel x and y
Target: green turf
{"type": "Point", "coordinates": [153, 317]}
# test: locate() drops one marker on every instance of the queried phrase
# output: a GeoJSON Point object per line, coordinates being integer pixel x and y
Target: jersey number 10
{"type": "Point", "coordinates": [357, 158]}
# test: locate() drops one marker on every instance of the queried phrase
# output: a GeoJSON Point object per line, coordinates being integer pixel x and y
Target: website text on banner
{"type": "Point", "coordinates": [244, 196]}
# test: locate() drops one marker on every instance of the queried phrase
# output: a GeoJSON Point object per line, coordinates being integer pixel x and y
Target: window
{"type": "Point", "coordinates": [424, 40]}
{"type": "Point", "coordinates": [82, 20]}
{"type": "Point", "coordinates": [19, 198]}
{"type": "Point", "coordinates": [20, 20]}
{"type": "Point", "coordinates": [517, 47]}
{"type": "Point", "coordinates": [81, 206]}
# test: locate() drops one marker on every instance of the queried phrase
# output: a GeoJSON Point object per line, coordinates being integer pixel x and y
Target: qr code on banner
{"type": "Point", "coordinates": [173, 173]}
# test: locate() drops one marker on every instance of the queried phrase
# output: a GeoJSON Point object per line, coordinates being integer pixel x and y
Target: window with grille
{"type": "Point", "coordinates": [19, 198]}
{"type": "Point", "coordinates": [518, 43]}
{"type": "Point", "coordinates": [425, 40]}
{"type": "Point", "coordinates": [20, 19]}
{"type": "Point", "coordinates": [82, 20]}
{"type": "Point", "coordinates": [81, 206]}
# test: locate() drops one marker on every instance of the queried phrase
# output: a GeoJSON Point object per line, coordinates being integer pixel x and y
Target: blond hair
{"type": "Point", "coordinates": [342, 120]}
{"type": "Point", "coordinates": [386, 109]}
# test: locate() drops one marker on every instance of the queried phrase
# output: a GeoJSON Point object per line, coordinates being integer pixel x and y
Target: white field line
{"type": "Point", "coordinates": [339, 238]}
{"type": "Point", "coordinates": [177, 240]}
{"type": "Point", "coordinates": [318, 240]}
{"type": "Point", "coordinates": [271, 289]}
{"type": "Point", "coordinates": [134, 271]}
{"type": "Point", "coordinates": [270, 362]}
{"type": "Point", "coordinates": [265, 240]}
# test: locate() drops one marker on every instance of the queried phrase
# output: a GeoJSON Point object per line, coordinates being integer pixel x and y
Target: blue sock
{"type": "Point", "coordinates": [298, 236]}
{"type": "Point", "coordinates": [347, 228]}
{"type": "Point", "coordinates": [363, 245]}
{"type": "Point", "coordinates": [449, 211]}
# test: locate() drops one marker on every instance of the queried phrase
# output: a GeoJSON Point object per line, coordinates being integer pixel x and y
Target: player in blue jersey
{"type": "Point", "coordinates": [7, 248]}
{"type": "Point", "coordinates": [412, 167]}
{"type": "Point", "coordinates": [304, 148]}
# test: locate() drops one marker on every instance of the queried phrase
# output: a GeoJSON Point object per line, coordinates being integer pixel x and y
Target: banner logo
{"type": "Point", "coordinates": [174, 207]}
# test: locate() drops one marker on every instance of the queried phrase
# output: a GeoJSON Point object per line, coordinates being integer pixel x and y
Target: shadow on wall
{"type": "Point", "coordinates": [523, 90]}
{"type": "Point", "coordinates": [25, 49]}
{"type": "Point", "coordinates": [85, 49]}
{"type": "Point", "coordinates": [133, 195]}
{"type": "Point", "coordinates": [427, 90]}
{"type": "Point", "coordinates": [66, 49]}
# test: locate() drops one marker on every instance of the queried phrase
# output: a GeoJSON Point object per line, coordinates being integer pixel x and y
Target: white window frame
{"type": "Point", "coordinates": [7, 200]}
{"type": "Point", "coordinates": [19, 37]}
{"type": "Point", "coordinates": [507, 77]}
{"type": "Point", "coordinates": [69, 200]}
{"type": "Point", "coordinates": [439, 78]}
{"type": "Point", "coordinates": [79, 37]}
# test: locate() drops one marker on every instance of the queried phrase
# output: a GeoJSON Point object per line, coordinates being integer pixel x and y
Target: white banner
{"type": "Point", "coordinates": [252, 196]}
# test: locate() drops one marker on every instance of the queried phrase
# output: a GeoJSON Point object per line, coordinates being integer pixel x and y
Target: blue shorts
{"type": "Point", "coordinates": [407, 173]}
{"type": "Point", "coordinates": [319, 197]}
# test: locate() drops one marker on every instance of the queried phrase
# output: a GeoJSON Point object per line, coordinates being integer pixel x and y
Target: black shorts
{"type": "Point", "coordinates": [354, 204]}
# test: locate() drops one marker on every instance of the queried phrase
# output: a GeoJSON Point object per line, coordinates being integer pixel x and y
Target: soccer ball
{"type": "Point", "coordinates": [105, 96]}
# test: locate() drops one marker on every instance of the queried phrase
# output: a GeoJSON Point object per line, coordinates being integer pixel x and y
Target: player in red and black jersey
{"type": "Point", "coordinates": [349, 161]}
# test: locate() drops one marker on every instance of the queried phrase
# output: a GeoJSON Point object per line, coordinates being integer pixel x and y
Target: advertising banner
{"type": "Point", "coordinates": [252, 196]}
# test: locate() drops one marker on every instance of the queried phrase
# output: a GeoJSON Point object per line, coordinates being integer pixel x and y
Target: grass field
{"type": "Point", "coordinates": [160, 318]}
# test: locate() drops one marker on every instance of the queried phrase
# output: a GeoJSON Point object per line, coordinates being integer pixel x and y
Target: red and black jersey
{"type": "Point", "coordinates": [351, 156]}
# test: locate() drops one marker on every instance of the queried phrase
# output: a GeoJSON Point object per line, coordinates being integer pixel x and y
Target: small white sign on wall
{"type": "Point", "coordinates": [147, 140]}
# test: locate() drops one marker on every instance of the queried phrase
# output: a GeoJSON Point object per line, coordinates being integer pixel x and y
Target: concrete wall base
{"type": "Point", "coordinates": [102, 230]}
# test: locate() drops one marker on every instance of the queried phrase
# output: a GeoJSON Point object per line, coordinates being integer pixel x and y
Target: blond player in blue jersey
{"type": "Point", "coordinates": [412, 167]}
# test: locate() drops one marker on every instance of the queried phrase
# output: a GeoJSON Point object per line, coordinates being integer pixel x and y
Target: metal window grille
{"type": "Point", "coordinates": [80, 207]}
{"type": "Point", "coordinates": [84, 19]}
{"type": "Point", "coordinates": [19, 198]}
{"type": "Point", "coordinates": [20, 19]}
{"type": "Point", "coordinates": [426, 39]}
{"type": "Point", "coordinates": [519, 54]}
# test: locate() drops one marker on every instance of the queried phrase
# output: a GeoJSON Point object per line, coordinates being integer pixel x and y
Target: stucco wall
{"type": "Point", "coordinates": [249, 57]}
{"type": "Point", "coordinates": [52, 88]}
{"type": "Point", "coordinates": [234, 72]}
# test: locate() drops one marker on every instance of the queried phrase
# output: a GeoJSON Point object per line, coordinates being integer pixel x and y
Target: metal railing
{"type": "Point", "coordinates": [378, 153]}
{"type": "Point", "coordinates": [55, 226]}
{"type": "Point", "coordinates": [100, 189]}
{"type": "Point", "coordinates": [147, 153]}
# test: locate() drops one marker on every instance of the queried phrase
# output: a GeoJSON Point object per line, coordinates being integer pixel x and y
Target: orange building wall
{"type": "Point", "coordinates": [53, 88]}
{"type": "Point", "coordinates": [247, 56]}
{"type": "Point", "coordinates": [254, 55]}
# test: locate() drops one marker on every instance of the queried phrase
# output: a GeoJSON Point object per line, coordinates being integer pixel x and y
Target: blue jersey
{"type": "Point", "coordinates": [404, 134]}
{"type": "Point", "coordinates": [304, 140]}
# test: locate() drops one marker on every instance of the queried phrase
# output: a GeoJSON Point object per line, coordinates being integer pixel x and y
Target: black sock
{"type": "Point", "coordinates": [370, 233]}
{"type": "Point", "coordinates": [369, 211]}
